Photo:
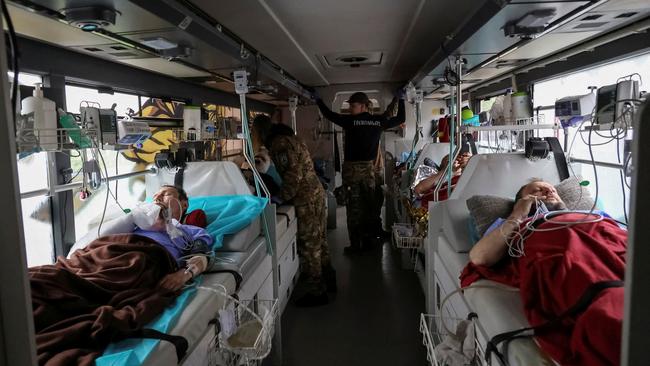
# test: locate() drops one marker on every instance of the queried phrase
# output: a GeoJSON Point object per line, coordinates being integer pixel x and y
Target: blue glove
{"type": "Point", "coordinates": [277, 200]}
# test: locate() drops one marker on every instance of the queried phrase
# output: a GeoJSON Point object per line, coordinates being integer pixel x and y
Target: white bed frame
{"type": "Point", "coordinates": [225, 178]}
{"type": "Point", "coordinates": [448, 243]}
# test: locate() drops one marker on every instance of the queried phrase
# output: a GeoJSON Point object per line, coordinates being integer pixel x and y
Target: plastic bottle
{"type": "Point", "coordinates": [45, 121]}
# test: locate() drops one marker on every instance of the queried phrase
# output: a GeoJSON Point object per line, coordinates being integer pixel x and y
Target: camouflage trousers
{"type": "Point", "coordinates": [312, 241]}
{"type": "Point", "coordinates": [359, 180]}
{"type": "Point", "coordinates": [378, 201]}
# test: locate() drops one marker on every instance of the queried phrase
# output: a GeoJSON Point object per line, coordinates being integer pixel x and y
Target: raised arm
{"type": "Point", "coordinates": [398, 119]}
{"type": "Point", "coordinates": [338, 119]}
{"type": "Point", "coordinates": [493, 246]}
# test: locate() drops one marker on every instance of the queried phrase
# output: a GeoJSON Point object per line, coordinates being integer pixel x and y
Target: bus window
{"type": "Point", "coordinates": [613, 194]}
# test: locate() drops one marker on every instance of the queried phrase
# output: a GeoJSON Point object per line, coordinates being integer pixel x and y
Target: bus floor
{"type": "Point", "coordinates": [373, 319]}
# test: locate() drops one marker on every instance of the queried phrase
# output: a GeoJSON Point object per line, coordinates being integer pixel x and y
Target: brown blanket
{"type": "Point", "coordinates": [99, 295]}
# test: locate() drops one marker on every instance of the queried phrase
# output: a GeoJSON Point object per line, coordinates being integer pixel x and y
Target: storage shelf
{"type": "Point", "coordinates": [525, 127]}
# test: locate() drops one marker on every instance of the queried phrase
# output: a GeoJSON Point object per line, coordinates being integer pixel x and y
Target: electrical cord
{"type": "Point", "coordinates": [459, 290]}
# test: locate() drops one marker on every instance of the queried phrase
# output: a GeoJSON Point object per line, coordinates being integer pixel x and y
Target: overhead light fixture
{"type": "Point", "coordinates": [159, 43]}
{"type": "Point", "coordinates": [90, 18]}
{"type": "Point", "coordinates": [529, 25]}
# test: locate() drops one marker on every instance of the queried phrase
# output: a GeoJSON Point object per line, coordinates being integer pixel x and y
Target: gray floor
{"type": "Point", "coordinates": [373, 320]}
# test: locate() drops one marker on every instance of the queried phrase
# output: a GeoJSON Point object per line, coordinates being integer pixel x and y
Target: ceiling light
{"type": "Point", "coordinates": [159, 43]}
{"type": "Point", "coordinates": [530, 24]}
{"type": "Point", "coordinates": [90, 18]}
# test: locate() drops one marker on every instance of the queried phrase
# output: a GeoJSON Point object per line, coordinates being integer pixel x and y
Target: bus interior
{"type": "Point", "coordinates": [504, 196]}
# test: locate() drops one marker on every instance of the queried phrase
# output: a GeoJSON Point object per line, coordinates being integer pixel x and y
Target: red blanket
{"type": "Point", "coordinates": [99, 295]}
{"type": "Point", "coordinates": [557, 269]}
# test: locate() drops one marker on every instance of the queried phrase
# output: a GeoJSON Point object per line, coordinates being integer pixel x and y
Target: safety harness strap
{"type": "Point", "coordinates": [560, 159]}
{"type": "Point", "coordinates": [180, 343]}
{"type": "Point", "coordinates": [468, 139]}
{"type": "Point", "coordinates": [580, 306]}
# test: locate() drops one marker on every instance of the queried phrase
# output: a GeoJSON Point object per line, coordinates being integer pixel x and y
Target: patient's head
{"type": "Point", "coordinates": [174, 198]}
{"type": "Point", "coordinates": [546, 191]}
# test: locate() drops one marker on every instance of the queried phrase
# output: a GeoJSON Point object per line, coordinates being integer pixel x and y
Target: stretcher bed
{"type": "Point", "coordinates": [449, 242]}
{"type": "Point", "coordinates": [246, 252]}
{"type": "Point", "coordinates": [244, 258]}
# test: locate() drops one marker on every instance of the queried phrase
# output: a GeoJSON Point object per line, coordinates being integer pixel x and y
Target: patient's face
{"type": "Point", "coordinates": [543, 189]}
{"type": "Point", "coordinates": [167, 197]}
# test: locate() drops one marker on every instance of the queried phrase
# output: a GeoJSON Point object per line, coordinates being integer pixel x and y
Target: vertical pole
{"type": "Point", "coordinates": [17, 345]}
{"type": "Point", "coordinates": [636, 343]}
{"type": "Point", "coordinates": [249, 154]}
{"type": "Point", "coordinates": [62, 206]}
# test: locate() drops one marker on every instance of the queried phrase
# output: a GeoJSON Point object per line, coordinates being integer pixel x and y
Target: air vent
{"type": "Point", "coordinates": [92, 49]}
{"type": "Point", "coordinates": [119, 48]}
{"type": "Point", "coordinates": [352, 59]}
{"type": "Point", "coordinates": [626, 15]}
{"type": "Point", "coordinates": [592, 17]}
{"type": "Point", "coordinates": [590, 25]}
{"type": "Point", "coordinates": [122, 54]}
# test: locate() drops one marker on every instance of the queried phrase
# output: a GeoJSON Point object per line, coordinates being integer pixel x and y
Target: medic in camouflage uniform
{"type": "Point", "coordinates": [301, 186]}
{"type": "Point", "coordinates": [362, 133]}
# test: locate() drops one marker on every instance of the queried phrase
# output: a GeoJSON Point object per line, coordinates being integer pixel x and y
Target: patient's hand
{"type": "Point", "coordinates": [197, 264]}
{"type": "Point", "coordinates": [175, 281]}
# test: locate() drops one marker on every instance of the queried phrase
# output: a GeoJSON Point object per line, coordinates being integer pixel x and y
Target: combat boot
{"type": "Point", "coordinates": [329, 278]}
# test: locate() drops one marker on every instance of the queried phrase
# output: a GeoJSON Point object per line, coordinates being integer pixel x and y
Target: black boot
{"type": "Point", "coordinates": [309, 300]}
{"type": "Point", "coordinates": [329, 278]}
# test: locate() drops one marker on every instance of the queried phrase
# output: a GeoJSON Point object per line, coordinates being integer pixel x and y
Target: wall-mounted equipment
{"type": "Point", "coordinates": [90, 18]}
{"type": "Point", "coordinates": [574, 109]}
{"type": "Point", "coordinates": [104, 120]}
{"type": "Point", "coordinates": [132, 132]}
{"type": "Point", "coordinates": [241, 81]}
{"type": "Point", "coordinates": [613, 100]}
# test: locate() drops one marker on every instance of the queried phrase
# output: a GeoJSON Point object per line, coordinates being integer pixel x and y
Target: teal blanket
{"type": "Point", "coordinates": [226, 215]}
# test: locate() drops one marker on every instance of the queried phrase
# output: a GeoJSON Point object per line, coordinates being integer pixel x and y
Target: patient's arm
{"type": "Point", "coordinates": [427, 184]}
{"type": "Point", "coordinates": [493, 246]}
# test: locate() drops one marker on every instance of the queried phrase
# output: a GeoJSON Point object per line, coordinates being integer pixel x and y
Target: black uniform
{"type": "Point", "coordinates": [362, 134]}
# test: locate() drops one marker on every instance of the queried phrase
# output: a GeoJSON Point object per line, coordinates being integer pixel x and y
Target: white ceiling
{"type": "Point", "coordinates": [296, 34]}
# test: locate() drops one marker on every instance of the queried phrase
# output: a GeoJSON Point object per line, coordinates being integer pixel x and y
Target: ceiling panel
{"type": "Point", "coordinates": [52, 31]}
{"type": "Point", "coordinates": [549, 43]}
{"type": "Point", "coordinates": [165, 67]}
{"type": "Point", "coordinates": [131, 17]}
{"type": "Point", "coordinates": [296, 34]}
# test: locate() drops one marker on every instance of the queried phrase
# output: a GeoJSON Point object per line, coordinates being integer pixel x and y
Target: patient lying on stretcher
{"type": "Point", "coordinates": [569, 268]}
{"type": "Point", "coordinates": [117, 284]}
{"type": "Point", "coordinates": [425, 189]}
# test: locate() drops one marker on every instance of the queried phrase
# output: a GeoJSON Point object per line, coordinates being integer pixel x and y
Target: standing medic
{"type": "Point", "coordinates": [362, 133]}
{"type": "Point", "coordinates": [301, 186]}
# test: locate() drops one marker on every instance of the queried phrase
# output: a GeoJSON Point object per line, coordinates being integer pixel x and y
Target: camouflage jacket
{"type": "Point", "coordinates": [293, 161]}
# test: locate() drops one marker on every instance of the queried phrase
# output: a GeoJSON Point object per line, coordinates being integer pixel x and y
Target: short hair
{"type": "Point", "coordinates": [182, 195]}
{"type": "Point", "coordinates": [521, 189]}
